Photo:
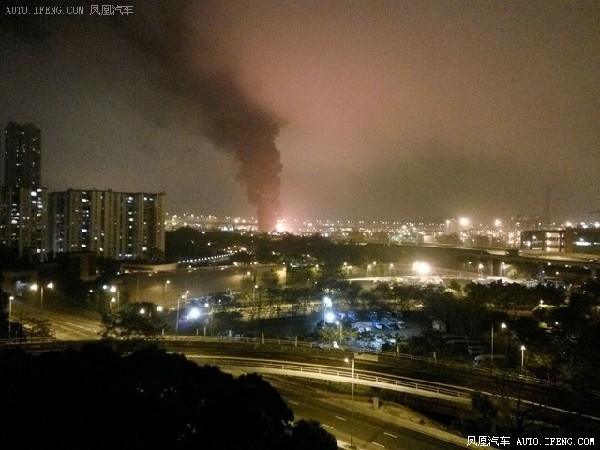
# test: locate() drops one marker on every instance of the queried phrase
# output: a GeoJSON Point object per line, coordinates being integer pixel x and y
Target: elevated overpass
{"type": "Point", "coordinates": [451, 257]}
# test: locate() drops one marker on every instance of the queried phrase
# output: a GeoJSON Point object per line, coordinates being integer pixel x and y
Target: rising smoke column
{"type": "Point", "coordinates": [181, 38]}
{"type": "Point", "coordinates": [236, 124]}
{"type": "Point", "coordinates": [175, 45]}
{"type": "Point", "coordinates": [233, 121]}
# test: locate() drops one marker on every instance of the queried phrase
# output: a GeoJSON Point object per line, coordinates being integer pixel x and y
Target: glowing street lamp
{"type": "Point", "coordinates": [522, 357]}
{"type": "Point", "coordinates": [34, 287]}
{"type": "Point", "coordinates": [184, 296]}
{"type": "Point", "coordinates": [502, 327]}
{"type": "Point", "coordinates": [164, 292]}
{"type": "Point", "coordinates": [193, 313]}
{"type": "Point", "coordinates": [10, 299]}
{"type": "Point", "coordinates": [464, 222]}
{"type": "Point", "coordinates": [421, 268]}
{"type": "Point", "coordinates": [112, 289]}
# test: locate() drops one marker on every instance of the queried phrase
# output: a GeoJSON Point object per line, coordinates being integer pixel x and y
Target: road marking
{"type": "Point", "coordinates": [293, 402]}
{"type": "Point", "coordinates": [378, 444]}
{"type": "Point", "coordinates": [390, 435]}
{"type": "Point", "coordinates": [328, 426]}
{"type": "Point", "coordinates": [341, 418]}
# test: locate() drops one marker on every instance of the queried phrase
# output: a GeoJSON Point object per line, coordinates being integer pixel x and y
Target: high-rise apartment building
{"type": "Point", "coordinates": [35, 223]}
{"type": "Point", "coordinates": [24, 220]}
{"type": "Point", "coordinates": [23, 156]}
{"type": "Point", "coordinates": [111, 224]}
{"type": "Point", "coordinates": [23, 202]}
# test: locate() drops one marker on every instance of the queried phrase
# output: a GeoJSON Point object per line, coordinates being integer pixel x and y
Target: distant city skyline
{"type": "Point", "coordinates": [173, 221]}
{"type": "Point", "coordinates": [374, 110]}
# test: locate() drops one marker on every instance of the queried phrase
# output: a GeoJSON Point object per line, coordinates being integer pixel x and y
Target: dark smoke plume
{"type": "Point", "coordinates": [176, 37]}
{"type": "Point", "coordinates": [229, 117]}
{"type": "Point", "coordinates": [237, 125]}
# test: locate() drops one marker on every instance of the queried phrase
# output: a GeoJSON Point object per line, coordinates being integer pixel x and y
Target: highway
{"type": "Point", "coordinates": [454, 397]}
{"type": "Point", "coordinates": [82, 326]}
{"type": "Point", "coordinates": [73, 325]}
{"type": "Point", "coordinates": [388, 427]}
{"type": "Point", "coordinates": [67, 324]}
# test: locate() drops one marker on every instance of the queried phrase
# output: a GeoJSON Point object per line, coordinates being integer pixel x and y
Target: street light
{"type": "Point", "coordinates": [34, 287]}
{"type": "Point", "coordinates": [421, 268]}
{"type": "Point", "coordinates": [112, 289]}
{"type": "Point", "coordinates": [165, 290]}
{"type": "Point", "coordinates": [522, 357]}
{"type": "Point", "coordinates": [502, 327]}
{"type": "Point", "coordinates": [352, 409]}
{"type": "Point", "coordinates": [177, 314]}
{"type": "Point", "coordinates": [10, 299]}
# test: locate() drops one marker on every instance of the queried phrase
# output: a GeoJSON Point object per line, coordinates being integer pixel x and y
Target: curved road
{"type": "Point", "coordinates": [391, 428]}
{"type": "Point", "coordinates": [82, 325]}
{"type": "Point", "coordinates": [358, 422]}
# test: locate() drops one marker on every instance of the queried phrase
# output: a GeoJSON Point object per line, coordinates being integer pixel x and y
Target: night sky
{"type": "Point", "coordinates": [402, 110]}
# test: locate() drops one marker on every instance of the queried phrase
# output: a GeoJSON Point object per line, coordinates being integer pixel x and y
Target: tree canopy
{"type": "Point", "coordinates": [102, 398]}
{"type": "Point", "coordinates": [135, 320]}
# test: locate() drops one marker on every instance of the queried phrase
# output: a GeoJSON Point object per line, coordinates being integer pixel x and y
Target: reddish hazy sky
{"type": "Point", "coordinates": [395, 110]}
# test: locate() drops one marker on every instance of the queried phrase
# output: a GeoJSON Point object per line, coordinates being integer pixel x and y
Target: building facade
{"type": "Point", "coordinates": [23, 155]}
{"type": "Point", "coordinates": [569, 240]}
{"type": "Point", "coordinates": [23, 202]}
{"type": "Point", "coordinates": [24, 221]}
{"type": "Point", "coordinates": [104, 223]}
{"type": "Point", "coordinates": [110, 224]}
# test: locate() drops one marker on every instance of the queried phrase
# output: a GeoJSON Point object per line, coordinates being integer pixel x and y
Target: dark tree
{"type": "Point", "coordinates": [310, 434]}
{"type": "Point", "coordinates": [135, 320]}
{"type": "Point", "coordinates": [3, 313]}
{"type": "Point", "coordinates": [100, 398]}
{"type": "Point", "coordinates": [487, 412]}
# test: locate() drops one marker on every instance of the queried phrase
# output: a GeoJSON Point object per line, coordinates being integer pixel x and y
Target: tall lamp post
{"type": "Point", "coordinates": [112, 289]}
{"type": "Point", "coordinates": [10, 299]}
{"type": "Point", "coordinates": [502, 327]}
{"type": "Point", "coordinates": [34, 287]}
{"type": "Point", "coordinates": [164, 293]}
{"type": "Point", "coordinates": [184, 296]}
{"type": "Point", "coordinates": [352, 409]}
{"type": "Point", "coordinates": [522, 357]}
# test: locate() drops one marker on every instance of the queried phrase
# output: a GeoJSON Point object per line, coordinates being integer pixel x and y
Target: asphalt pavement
{"type": "Point", "coordinates": [389, 426]}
